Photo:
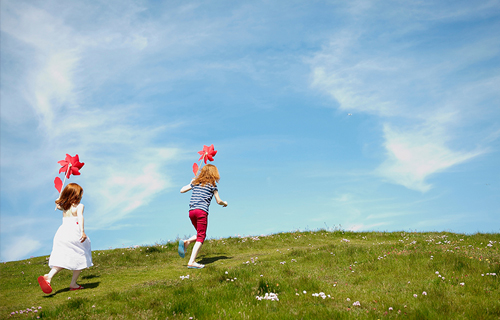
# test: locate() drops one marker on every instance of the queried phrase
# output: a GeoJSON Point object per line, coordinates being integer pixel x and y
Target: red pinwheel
{"type": "Point", "coordinates": [207, 153]}
{"type": "Point", "coordinates": [70, 165]}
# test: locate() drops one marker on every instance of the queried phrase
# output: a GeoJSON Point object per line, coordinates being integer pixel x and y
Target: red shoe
{"type": "Point", "coordinates": [73, 289]}
{"type": "Point", "coordinates": [44, 284]}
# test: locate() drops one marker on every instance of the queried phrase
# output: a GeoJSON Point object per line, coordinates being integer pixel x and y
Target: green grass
{"type": "Point", "coordinates": [381, 270]}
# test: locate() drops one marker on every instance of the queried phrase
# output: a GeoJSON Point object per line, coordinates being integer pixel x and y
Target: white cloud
{"type": "Point", "coordinates": [121, 188]}
{"type": "Point", "coordinates": [19, 247]}
{"type": "Point", "coordinates": [53, 86]}
{"type": "Point", "coordinates": [412, 156]}
{"type": "Point", "coordinates": [124, 164]}
{"type": "Point", "coordinates": [49, 63]}
{"type": "Point", "coordinates": [353, 81]}
{"type": "Point", "coordinates": [427, 103]}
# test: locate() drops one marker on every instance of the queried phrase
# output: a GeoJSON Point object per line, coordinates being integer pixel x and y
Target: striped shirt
{"type": "Point", "coordinates": [201, 196]}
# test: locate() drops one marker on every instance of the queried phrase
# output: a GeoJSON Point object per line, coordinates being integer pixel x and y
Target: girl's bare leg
{"type": "Point", "coordinates": [196, 248]}
{"type": "Point", "coordinates": [189, 241]}
{"type": "Point", "coordinates": [76, 274]}
{"type": "Point", "coordinates": [53, 272]}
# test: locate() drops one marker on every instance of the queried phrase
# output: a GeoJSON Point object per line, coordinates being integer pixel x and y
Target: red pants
{"type": "Point", "coordinates": [199, 219]}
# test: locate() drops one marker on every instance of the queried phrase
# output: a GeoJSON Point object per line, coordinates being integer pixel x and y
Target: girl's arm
{"type": "Point", "coordinates": [79, 214]}
{"type": "Point", "coordinates": [219, 200]}
{"type": "Point", "coordinates": [187, 188]}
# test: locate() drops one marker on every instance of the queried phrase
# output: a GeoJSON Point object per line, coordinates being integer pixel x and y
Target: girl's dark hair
{"type": "Point", "coordinates": [72, 194]}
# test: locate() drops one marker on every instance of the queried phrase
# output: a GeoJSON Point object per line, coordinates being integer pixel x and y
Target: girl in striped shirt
{"type": "Point", "coordinates": [204, 188]}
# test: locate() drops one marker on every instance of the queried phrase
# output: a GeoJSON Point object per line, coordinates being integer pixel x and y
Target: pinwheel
{"type": "Point", "coordinates": [70, 165]}
{"type": "Point", "coordinates": [208, 153]}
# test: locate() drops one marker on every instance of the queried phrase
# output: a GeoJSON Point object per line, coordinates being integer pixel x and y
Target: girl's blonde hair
{"type": "Point", "coordinates": [208, 175]}
{"type": "Point", "coordinates": [72, 194]}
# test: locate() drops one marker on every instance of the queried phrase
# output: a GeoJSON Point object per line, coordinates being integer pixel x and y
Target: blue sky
{"type": "Point", "coordinates": [372, 115]}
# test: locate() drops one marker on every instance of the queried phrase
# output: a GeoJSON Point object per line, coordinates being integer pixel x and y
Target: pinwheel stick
{"type": "Point", "coordinates": [199, 166]}
{"type": "Point", "coordinates": [65, 175]}
{"type": "Point", "coordinates": [69, 167]}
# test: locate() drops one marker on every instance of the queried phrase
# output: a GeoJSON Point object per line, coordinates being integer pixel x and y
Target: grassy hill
{"type": "Point", "coordinates": [315, 274]}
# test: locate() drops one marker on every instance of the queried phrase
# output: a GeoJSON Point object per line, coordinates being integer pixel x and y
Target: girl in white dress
{"type": "Point", "coordinates": [71, 248]}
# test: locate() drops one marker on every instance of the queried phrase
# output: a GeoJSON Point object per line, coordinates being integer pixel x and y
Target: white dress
{"type": "Point", "coordinates": [67, 251]}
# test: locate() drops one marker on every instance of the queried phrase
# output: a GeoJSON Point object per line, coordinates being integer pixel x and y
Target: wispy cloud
{"type": "Point", "coordinates": [65, 94]}
{"type": "Point", "coordinates": [128, 84]}
{"type": "Point", "coordinates": [413, 156]}
{"type": "Point", "coordinates": [422, 100]}
{"type": "Point", "coordinates": [120, 188]}
{"type": "Point", "coordinates": [48, 75]}
{"type": "Point", "coordinates": [123, 162]}
{"type": "Point", "coordinates": [19, 247]}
